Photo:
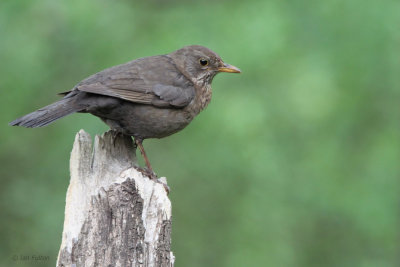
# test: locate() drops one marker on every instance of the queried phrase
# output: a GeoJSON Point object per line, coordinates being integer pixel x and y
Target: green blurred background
{"type": "Point", "coordinates": [296, 161]}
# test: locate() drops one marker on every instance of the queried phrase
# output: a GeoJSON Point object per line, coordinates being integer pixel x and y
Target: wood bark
{"type": "Point", "coordinates": [114, 216]}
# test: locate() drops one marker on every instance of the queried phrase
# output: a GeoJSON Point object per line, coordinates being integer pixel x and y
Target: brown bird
{"type": "Point", "coordinates": [151, 97]}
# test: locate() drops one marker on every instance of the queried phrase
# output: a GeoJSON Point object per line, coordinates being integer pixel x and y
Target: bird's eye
{"type": "Point", "coordinates": [203, 62]}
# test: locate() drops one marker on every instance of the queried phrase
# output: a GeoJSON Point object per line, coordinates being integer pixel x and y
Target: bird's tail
{"type": "Point", "coordinates": [49, 114]}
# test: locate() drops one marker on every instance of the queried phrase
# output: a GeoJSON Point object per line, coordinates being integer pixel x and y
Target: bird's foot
{"type": "Point", "coordinates": [146, 172]}
{"type": "Point", "coordinates": [153, 176]}
{"type": "Point", "coordinates": [114, 135]}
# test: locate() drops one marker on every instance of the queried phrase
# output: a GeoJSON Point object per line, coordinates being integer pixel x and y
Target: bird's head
{"type": "Point", "coordinates": [200, 63]}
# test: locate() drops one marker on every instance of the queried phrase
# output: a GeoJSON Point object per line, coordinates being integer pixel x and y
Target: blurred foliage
{"type": "Point", "coordinates": [296, 162]}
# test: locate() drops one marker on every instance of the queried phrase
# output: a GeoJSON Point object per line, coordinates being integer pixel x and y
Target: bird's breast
{"type": "Point", "coordinates": [201, 100]}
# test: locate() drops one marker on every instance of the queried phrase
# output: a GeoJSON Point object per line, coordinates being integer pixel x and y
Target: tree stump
{"type": "Point", "coordinates": [114, 216]}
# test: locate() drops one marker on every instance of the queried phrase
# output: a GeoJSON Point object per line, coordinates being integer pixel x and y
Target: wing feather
{"type": "Point", "coordinates": [153, 81]}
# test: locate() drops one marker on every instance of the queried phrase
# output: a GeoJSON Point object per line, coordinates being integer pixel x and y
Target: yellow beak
{"type": "Point", "coordinates": [229, 68]}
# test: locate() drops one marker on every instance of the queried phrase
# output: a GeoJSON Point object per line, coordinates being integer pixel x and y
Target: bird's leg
{"type": "Point", "coordinates": [138, 142]}
{"type": "Point", "coordinates": [150, 173]}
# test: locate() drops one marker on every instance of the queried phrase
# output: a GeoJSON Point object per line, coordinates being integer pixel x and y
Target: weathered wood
{"type": "Point", "coordinates": [113, 216]}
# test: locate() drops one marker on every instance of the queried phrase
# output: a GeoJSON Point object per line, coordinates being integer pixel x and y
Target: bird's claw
{"type": "Point", "coordinates": [153, 176]}
{"type": "Point", "coordinates": [146, 172]}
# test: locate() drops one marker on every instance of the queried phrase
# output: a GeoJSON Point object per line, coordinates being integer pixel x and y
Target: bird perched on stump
{"type": "Point", "coordinates": [151, 97]}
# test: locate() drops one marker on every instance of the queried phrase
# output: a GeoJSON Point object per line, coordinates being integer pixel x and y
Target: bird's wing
{"type": "Point", "coordinates": [157, 85]}
{"type": "Point", "coordinates": [130, 89]}
{"type": "Point", "coordinates": [175, 96]}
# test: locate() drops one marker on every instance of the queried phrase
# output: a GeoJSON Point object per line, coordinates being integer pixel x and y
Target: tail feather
{"type": "Point", "coordinates": [48, 114]}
